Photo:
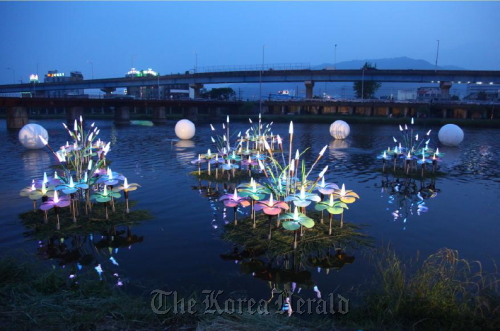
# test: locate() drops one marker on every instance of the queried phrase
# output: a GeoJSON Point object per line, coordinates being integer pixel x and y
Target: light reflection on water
{"type": "Point", "coordinates": [183, 247]}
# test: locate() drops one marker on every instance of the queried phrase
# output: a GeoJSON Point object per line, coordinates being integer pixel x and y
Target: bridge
{"type": "Point", "coordinates": [307, 76]}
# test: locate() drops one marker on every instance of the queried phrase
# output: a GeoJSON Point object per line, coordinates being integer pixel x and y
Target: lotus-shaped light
{"type": "Point", "coordinates": [71, 187]}
{"type": "Point", "coordinates": [346, 196]}
{"type": "Point", "coordinates": [332, 206]}
{"type": "Point", "coordinates": [326, 188]}
{"type": "Point", "coordinates": [229, 165]}
{"type": "Point", "coordinates": [293, 221]}
{"type": "Point", "coordinates": [105, 195]}
{"type": "Point", "coordinates": [126, 186]}
{"type": "Point", "coordinates": [384, 156]}
{"type": "Point", "coordinates": [303, 199]}
{"type": "Point", "coordinates": [198, 160]}
{"type": "Point", "coordinates": [271, 207]}
{"type": "Point", "coordinates": [233, 200]}
{"type": "Point", "coordinates": [55, 201]}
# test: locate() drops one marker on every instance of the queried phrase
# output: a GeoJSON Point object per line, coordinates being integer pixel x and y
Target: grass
{"type": "Point", "coordinates": [443, 292]}
{"type": "Point", "coordinates": [225, 176]}
{"type": "Point", "coordinates": [94, 222]}
{"type": "Point", "coordinates": [314, 240]}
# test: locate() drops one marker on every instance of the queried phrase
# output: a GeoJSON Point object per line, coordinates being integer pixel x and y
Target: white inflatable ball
{"type": "Point", "coordinates": [185, 129]}
{"type": "Point", "coordinates": [339, 129]}
{"type": "Point", "coordinates": [29, 136]}
{"type": "Point", "coordinates": [450, 135]}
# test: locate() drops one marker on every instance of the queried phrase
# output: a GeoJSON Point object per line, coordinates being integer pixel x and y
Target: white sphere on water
{"type": "Point", "coordinates": [340, 129]}
{"type": "Point", "coordinates": [29, 136]}
{"type": "Point", "coordinates": [185, 129]}
{"type": "Point", "coordinates": [450, 135]}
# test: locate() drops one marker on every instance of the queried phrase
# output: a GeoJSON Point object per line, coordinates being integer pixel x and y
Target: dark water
{"type": "Point", "coordinates": [181, 247]}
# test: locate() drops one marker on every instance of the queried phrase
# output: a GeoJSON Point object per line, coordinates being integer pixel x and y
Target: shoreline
{"type": "Point", "coordinates": [473, 123]}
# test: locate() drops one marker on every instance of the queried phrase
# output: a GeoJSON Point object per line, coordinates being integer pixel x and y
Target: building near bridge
{"type": "Point", "coordinates": [158, 92]}
{"type": "Point", "coordinates": [484, 91]}
{"type": "Point", "coordinates": [428, 93]}
{"type": "Point", "coordinates": [407, 95]}
{"type": "Point", "coordinates": [53, 76]}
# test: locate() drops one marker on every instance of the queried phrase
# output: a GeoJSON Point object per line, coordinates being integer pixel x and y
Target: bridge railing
{"type": "Point", "coordinates": [255, 67]}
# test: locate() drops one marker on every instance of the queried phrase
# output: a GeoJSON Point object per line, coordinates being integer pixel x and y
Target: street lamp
{"type": "Point", "coordinates": [195, 61]}
{"type": "Point", "coordinates": [437, 54]}
{"type": "Point", "coordinates": [13, 74]}
{"type": "Point", "coordinates": [260, 81]}
{"type": "Point", "coordinates": [92, 64]}
{"type": "Point", "coordinates": [158, 76]}
{"type": "Point", "coordinates": [335, 61]}
{"type": "Point", "coordinates": [363, 84]}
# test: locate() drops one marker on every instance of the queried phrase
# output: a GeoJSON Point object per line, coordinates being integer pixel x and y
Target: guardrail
{"type": "Point", "coordinates": [255, 67]}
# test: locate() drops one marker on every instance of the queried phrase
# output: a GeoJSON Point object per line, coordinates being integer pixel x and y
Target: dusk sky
{"type": "Point", "coordinates": [164, 35]}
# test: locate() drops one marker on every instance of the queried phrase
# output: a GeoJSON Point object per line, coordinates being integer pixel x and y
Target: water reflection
{"type": "Point", "coordinates": [35, 161]}
{"type": "Point", "coordinates": [337, 148]}
{"type": "Point", "coordinates": [101, 251]}
{"type": "Point", "coordinates": [407, 196]}
{"type": "Point", "coordinates": [182, 144]}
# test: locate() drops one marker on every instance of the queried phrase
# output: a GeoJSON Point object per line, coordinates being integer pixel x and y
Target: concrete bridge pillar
{"type": "Point", "coordinates": [309, 89]}
{"type": "Point", "coordinates": [17, 117]}
{"type": "Point", "coordinates": [191, 113]}
{"type": "Point", "coordinates": [445, 89]}
{"type": "Point", "coordinates": [159, 115]}
{"type": "Point", "coordinates": [122, 115]}
{"type": "Point", "coordinates": [73, 114]}
{"type": "Point", "coordinates": [214, 112]}
{"type": "Point", "coordinates": [194, 90]}
{"type": "Point", "coordinates": [108, 90]}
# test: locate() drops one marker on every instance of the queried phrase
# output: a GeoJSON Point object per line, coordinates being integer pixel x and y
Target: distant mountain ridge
{"type": "Point", "coordinates": [394, 63]}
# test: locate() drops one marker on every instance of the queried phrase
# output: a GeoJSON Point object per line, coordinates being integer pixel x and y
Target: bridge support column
{"type": "Point", "coordinates": [194, 90]}
{"type": "Point", "coordinates": [17, 117]}
{"type": "Point", "coordinates": [159, 115]}
{"type": "Point", "coordinates": [214, 112]}
{"type": "Point", "coordinates": [122, 115]}
{"type": "Point", "coordinates": [445, 89]}
{"type": "Point", "coordinates": [73, 114]}
{"type": "Point", "coordinates": [309, 89]}
{"type": "Point", "coordinates": [191, 113]}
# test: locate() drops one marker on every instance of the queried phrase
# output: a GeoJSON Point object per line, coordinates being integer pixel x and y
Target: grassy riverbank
{"type": "Point", "coordinates": [441, 293]}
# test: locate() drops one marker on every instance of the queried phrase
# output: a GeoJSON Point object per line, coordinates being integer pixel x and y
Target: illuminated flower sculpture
{"type": "Point", "coordinates": [81, 174]}
{"type": "Point", "coordinates": [326, 188]}
{"type": "Point", "coordinates": [303, 199]}
{"type": "Point", "coordinates": [71, 188]}
{"type": "Point", "coordinates": [55, 203]}
{"type": "Point", "coordinates": [233, 200]}
{"type": "Point", "coordinates": [346, 197]}
{"type": "Point", "coordinates": [126, 187]}
{"type": "Point", "coordinates": [33, 193]}
{"type": "Point", "coordinates": [271, 207]}
{"type": "Point", "coordinates": [104, 197]}
{"type": "Point", "coordinates": [294, 221]}
{"type": "Point", "coordinates": [333, 208]}
{"type": "Point", "coordinates": [255, 192]}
